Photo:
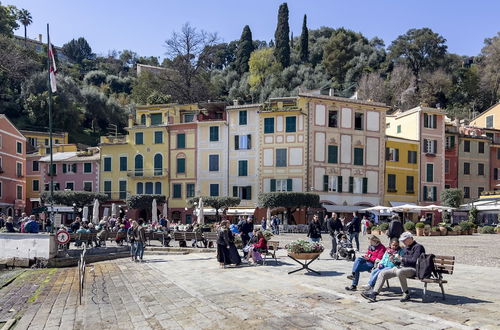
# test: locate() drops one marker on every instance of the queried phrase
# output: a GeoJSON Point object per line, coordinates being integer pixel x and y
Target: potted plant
{"type": "Point", "coordinates": [376, 230]}
{"type": "Point", "coordinates": [427, 230]}
{"type": "Point", "coordinates": [304, 250]}
{"type": "Point", "coordinates": [443, 228]}
{"type": "Point", "coordinates": [435, 231]}
{"type": "Point", "coordinates": [466, 227]}
{"type": "Point", "coordinates": [487, 230]}
{"type": "Point", "coordinates": [383, 228]}
{"type": "Point", "coordinates": [419, 227]}
{"type": "Point", "coordinates": [409, 226]}
{"type": "Point", "coordinates": [455, 230]}
{"type": "Point", "coordinates": [497, 230]}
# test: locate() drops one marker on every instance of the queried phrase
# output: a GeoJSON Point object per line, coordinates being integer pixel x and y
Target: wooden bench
{"type": "Point", "coordinates": [162, 236]}
{"type": "Point", "coordinates": [196, 236]}
{"type": "Point", "coordinates": [271, 246]}
{"type": "Point", "coordinates": [210, 238]}
{"type": "Point", "coordinates": [179, 236]}
{"type": "Point", "coordinates": [86, 238]}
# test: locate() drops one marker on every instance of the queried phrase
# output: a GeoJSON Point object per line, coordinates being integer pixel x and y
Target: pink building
{"type": "Point", "coordinates": [12, 169]}
{"type": "Point", "coordinates": [77, 171]}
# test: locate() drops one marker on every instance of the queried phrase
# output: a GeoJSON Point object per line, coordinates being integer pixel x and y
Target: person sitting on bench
{"type": "Point", "coordinates": [406, 269]}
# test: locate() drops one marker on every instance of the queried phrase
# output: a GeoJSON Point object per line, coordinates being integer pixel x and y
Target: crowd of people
{"type": "Point", "coordinates": [25, 224]}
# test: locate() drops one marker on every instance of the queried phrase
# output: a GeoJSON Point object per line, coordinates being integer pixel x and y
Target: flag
{"type": "Point", "coordinates": [52, 70]}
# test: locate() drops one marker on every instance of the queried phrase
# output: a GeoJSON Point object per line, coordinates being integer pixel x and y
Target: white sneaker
{"type": "Point", "coordinates": [367, 287]}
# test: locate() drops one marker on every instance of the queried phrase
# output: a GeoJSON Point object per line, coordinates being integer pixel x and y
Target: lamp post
{"type": "Point", "coordinates": [74, 212]}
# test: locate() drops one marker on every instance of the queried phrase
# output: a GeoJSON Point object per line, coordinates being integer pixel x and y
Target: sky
{"type": "Point", "coordinates": [143, 26]}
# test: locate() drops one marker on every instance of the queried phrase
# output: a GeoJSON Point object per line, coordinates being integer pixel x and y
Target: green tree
{"type": "Point", "coordinates": [145, 202]}
{"type": "Point", "coordinates": [282, 37]}
{"type": "Point", "coordinates": [452, 197]}
{"type": "Point", "coordinates": [304, 42]}
{"type": "Point", "coordinates": [489, 64]}
{"type": "Point", "coordinates": [245, 49]}
{"type": "Point", "coordinates": [78, 50]}
{"type": "Point", "coordinates": [288, 200]}
{"type": "Point", "coordinates": [25, 19]}
{"type": "Point", "coordinates": [80, 198]}
{"type": "Point", "coordinates": [217, 203]}
{"type": "Point", "coordinates": [8, 19]}
{"type": "Point", "coordinates": [262, 64]}
{"type": "Point", "coordinates": [420, 49]}
{"type": "Point", "coordinates": [95, 78]}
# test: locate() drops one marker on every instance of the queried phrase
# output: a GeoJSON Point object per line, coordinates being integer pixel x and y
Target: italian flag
{"type": "Point", "coordinates": [52, 70]}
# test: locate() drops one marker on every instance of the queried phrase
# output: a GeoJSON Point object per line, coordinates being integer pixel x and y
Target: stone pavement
{"type": "Point", "coordinates": [191, 291]}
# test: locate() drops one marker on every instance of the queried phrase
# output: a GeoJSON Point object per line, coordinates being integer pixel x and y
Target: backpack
{"type": "Point", "coordinates": [425, 267]}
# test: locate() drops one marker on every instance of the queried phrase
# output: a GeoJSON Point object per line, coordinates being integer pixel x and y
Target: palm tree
{"type": "Point", "coordinates": [25, 18]}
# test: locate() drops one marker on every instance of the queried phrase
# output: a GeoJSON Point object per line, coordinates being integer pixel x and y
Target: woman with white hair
{"type": "Point", "coordinates": [365, 263]}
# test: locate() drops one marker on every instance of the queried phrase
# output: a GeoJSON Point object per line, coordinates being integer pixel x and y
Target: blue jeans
{"type": "Point", "coordinates": [360, 265]}
{"type": "Point", "coordinates": [373, 276]}
{"type": "Point", "coordinates": [354, 235]}
{"type": "Point", "coordinates": [139, 250]}
{"type": "Point", "coordinates": [315, 240]}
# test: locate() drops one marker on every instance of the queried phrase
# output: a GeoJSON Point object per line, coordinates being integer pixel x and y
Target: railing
{"type": "Point", "coordinates": [117, 195]}
{"type": "Point", "coordinates": [147, 173]}
{"type": "Point", "coordinates": [114, 139]}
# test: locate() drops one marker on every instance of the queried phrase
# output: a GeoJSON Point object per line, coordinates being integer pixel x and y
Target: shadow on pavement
{"type": "Point", "coordinates": [394, 293]}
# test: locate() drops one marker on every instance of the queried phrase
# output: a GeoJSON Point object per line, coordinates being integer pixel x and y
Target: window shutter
{"type": "Point", "coordinates": [273, 185]}
{"type": "Point", "coordinates": [365, 185]}
{"type": "Point", "coordinates": [351, 184]}
{"type": "Point", "coordinates": [452, 142]}
{"type": "Point", "coordinates": [340, 183]}
{"type": "Point", "coordinates": [397, 155]}
{"type": "Point", "coordinates": [387, 154]}
{"type": "Point", "coordinates": [435, 145]}
{"type": "Point", "coordinates": [495, 173]}
{"type": "Point", "coordinates": [434, 121]}
{"type": "Point", "coordinates": [425, 193]}
{"type": "Point", "coordinates": [64, 168]}
{"type": "Point", "coordinates": [434, 193]}
{"type": "Point", "coordinates": [249, 141]}
{"type": "Point", "coordinates": [249, 195]}
{"type": "Point", "coordinates": [425, 146]}
{"type": "Point", "coordinates": [325, 182]}
{"type": "Point", "coordinates": [236, 142]}
{"type": "Point", "coordinates": [289, 184]}
{"type": "Point", "coordinates": [235, 191]}
{"type": "Point", "coordinates": [73, 168]}
{"type": "Point", "coordinates": [426, 120]}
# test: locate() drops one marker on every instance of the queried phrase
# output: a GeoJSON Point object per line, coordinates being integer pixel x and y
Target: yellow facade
{"type": "Point", "coordinates": [403, 127]}
{"type": "Point", "coordinates": [400, 166]}
{"type": "Point", "coordinates": [489, 118]}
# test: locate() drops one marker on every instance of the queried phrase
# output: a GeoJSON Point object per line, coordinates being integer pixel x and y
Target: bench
{"type": "Point", "coordinates": [196, 236]}
{"type": "Point", "coordinates": [163, 237]}
{"type": "Point", "coordinates": [86, 238]}
{"type": "Point", "coordinates": [210, 238]}
{"type": "Point", "coordinates": [180, 237]}
{"type": "Point", "coordinates": [271, 246]}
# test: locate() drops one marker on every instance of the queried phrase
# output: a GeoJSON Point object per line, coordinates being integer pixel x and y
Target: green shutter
{"type": "Point", "coordinates": [64, 170]}
{"type": "Point", "coordinates": [289, 185]}
{"type": "Point", "coordinates": [430, 174]}
{"type": "Point", "coordinates": [273, 185]}
{"type": "Point", "coordinates": [434, 193]}
{"type": "Point", "coordinates": [426, 120]}
{"type": "Point", "coordinates": [434, 121]}
{"type": "Point", "coordinates": [249, 141]}
{"type": "Point", "coordinates": [236, 142]}
{"type": "Point", "coordinates": [339, 179]}
{"type": "Point", "coordinates": [181, 141]}
{"type": "Point", "coordinates": [365, 185]}
{"type": "Point", "coordinates": [397, 155]}
{"type": "Point", "coordinates": [325, 182]}
{"type": "Point", "coordinates": [425, 193]}
{"type": "Point", "coordinates": [387, 153]}
{"type": "Point", "coordinates": [249, 191]}
{"type": "Point", "coordinates": [235, 191]}
{"type": "Point", "coordinates": [358, 156]}
{"type": "Point", "coordinates": [332, 154]}
{"type": "Point", "coordinates": [351, 184]}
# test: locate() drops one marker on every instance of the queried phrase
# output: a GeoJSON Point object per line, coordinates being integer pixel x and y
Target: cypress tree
{"type": "Point", "coordinates": [245, 49]}
{"type": "Point", "coordinates": [291, 40]}
{"type": "Point", "coordinates": [304, 42]}
{"type": "Point", "coordinates": [282, 37]}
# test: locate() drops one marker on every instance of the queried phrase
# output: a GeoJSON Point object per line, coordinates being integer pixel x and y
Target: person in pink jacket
{"type": "Point", "coordinates": [365, 263]}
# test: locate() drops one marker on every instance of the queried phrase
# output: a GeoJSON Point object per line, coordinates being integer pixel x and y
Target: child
{"type": "Point", "coordinates": [390, 259]}
{"type": "Point", "coordinates": [345, 248]}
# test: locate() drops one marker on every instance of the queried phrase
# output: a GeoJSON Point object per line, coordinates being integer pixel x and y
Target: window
{"type": "Point", "coordinates": [450, 142]}
{"type": "Point", "coordinates": [55, 185]}
{"type": "Point", "coordinates": [213, 163]}
{"type": "Point", "coordinates": [243, 117]}
{"type": "Point", "coordinates": [466, 168]}
{"type": "Point", "coordinates": [19, 147]}
{"type": "Point", "coordinates": [430, 146]}
{"type": "Point", "coordinates": [291, 124]}
{"type": "Point", "coordinates": [480, 169]}
{"type": "Point", "coordinates": [19, 169]}
{"type": "Point", "coordinates": [447, 186]}
{"type": "Point", "coordinates": [481, 147]}
{"type": "Point", "coordinates": [330, 183]}
{"type": "Point", "coordinates": [409, 184]}
{"type": "Point", "coordinates": [281, 184]}
{"type": "Point", "coordinates": [490, 136]}
{"type": "Point", "coordinates": [466, 146]}
{"type": "Point", "coordinates": [107, 164]}
{"type": "Point", "coordinates": [268, 125]}
{"type": "Point", "coordinates": [466, 192]}
{"type": "Point", "coordinates": [412, 157]}
{"type": "Point", "coordinates": [333, 118]}
{"type": "Point", "coordinates": [281, 159]}
{"type": "Point", "coordinates": [489, 121]}
{"type": "Point", "coordinates": [392, 154]}
{"type": "Point", "coordinates": [244, 193]}
{"type": "Point", "coordinates": [0, 187]}
{"type": "Point", "coordinates": [243, 142]}
{"type": "Point", "coordinates": [139, 138]}
{"type": "Point", "coordinates": [148, 187]}
{"type": "Point", "coordinates": [54, 169]}
{"type": "Point", "coordinates": [143, 119]}
{"type": "Point", "coordinates": [156, 118]}
{"type": "Point", "coordinates": [498, 154]}
{"type": "Point", "coordinates": [429, 172]}
{"type": "Point", "coordinates": [495, 174]}
{"type": "Point", "coordinates": [19, 192]}
{"type": "Point", "coordinates": [190, 190]}
{"type": "Point", "coordinates": [46, 142]}
{"type": "Point", "coordinates": [70, 186]}
{"type": "Point", "coordinates": [140, 188]}
{"type": "Point", "coordinates": [181, 141]}
{"type": "Point", "coordinates": [398, 129]}
{"type": "Point", "coordinates": [358, 156]}
{"type": "Point", "coordinates": [181, 165]}
{"type": "Point", "coordinates": [107, 188]}
{"type": "Point", "coordinates": [214, 189]}
{"type": "Point", "coordinates": [122, 187]}
{"type": "Point", "coordinates": [480, 191]}
{"type": "Point", "coordinates": [35, 166]}
{"type": "Point", "coordinates": [188, 117]}
{"type": "Point", "coordinates": [333, 152]}
{"type": "Point", "coordinates": [391, 183]}
{"type": "Point", "coordinates": [430, 193]}
{"type": "Point", "coordinates": [446, 166]}
{"type": "Point", "coordinates": [138, 162]}
{"type": "Point", "coordinates": [36, 185]}
{"type": "Point", "coordinates": [359, 185]}
{"type": "Point", "coordinates": [243, 168]}
{"type": "Point", "coordinates": [214, 133]}
{"type": "Point", "coordinates": [123, 163]}
{"type": "Point", "coordinates": [430, 121]}
{"type": "Point", "coordinates": [158, 137]}
{"type": "Point", "coordinates": [87, 186]}
{"type": "Point", "coordinates": [158, 164]}
{"type": "Point", "coordinates": [358, 121]}
{"type": "Point", "coordinates": [158, 188]}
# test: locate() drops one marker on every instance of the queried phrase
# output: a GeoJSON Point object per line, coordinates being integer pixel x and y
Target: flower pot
{"type": "Point", "coordinates": [420, 231]}
{"type": "Point", "coordinates": [452, 233]}
{"type": "Point", "coordinates": [304, 256]}
{"type": "Point", "coordinates": [470, 231]}
{"type": "Point", "coordinates": [443, 230]}
{"type": "Point", "coordinates": [435, 233]}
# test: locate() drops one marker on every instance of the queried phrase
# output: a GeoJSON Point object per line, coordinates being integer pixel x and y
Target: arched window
{"type": "Point", "coordinates": [140, 188]}
{"type": "Point", "coordinates": [143, 119]}
{"type": "Point", "coordinates": [149, 188]}
{"type": "Point", "coordinates": [158, 188]}
{"type": "Point", "coordinates": [158, 164]}
{"type": "Point", "coordinates": [139, 161]}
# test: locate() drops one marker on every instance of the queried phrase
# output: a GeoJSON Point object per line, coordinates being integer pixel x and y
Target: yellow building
{"type": "Point", "coordinates": [401, 171]}
{"type": "Point", "coordinates": [489, 118]}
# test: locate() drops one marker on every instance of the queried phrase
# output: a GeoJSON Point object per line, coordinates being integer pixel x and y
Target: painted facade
{"type": "Point", "coordinates": [12, 169]}
{"type": "Point", "coordinates": [489, 118]}
{"type": "Point", "coordinates": [451, 156]}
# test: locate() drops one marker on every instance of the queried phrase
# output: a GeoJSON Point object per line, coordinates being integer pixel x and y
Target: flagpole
{"type": "Point", "coordinates": [51, 172]}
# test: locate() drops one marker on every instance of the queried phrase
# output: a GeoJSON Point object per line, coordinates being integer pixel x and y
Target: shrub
{"type": "Point", "coordinates": [375, 228]}
{"type": "Point", "coordinates": [420, 225]}
{"type": "Point", "coordinates": [466, 225]}
{"type": "Point", "coordinates": [497, 229]}
{"type": "Point", "coordinates": [457, 228]}
{"type": "Point", "coordinates": [409, 226]}
{"type": "Point", "coordinates": [303, 246]}
{"type": "Point", "coordinates": [384, 226]}
{"type": "Point", "coordinates": [487, 230]}
{"type": "Point", "coordinates": [435, 228]}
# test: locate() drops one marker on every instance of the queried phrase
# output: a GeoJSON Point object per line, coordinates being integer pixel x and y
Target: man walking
{"type": "Point", "coordinates": [334, 227]}
{"type": "Point", "coordinates": [354, 227]}
{"type": "Point", "coordinates": [140, 240]}
{"type": "Point", "coordinates": [395, 228]}
{"type": "Point", "coordinates": [412, 251]}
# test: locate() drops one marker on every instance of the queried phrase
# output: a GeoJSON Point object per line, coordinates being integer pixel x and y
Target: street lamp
{"type": "Point", "coordinates": [74, 211]}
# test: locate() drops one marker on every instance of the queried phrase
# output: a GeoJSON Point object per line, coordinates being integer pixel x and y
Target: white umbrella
{"type": "Point", "coordinates": [201, 217]}
{"type": "Point", "coordinates": [378, 208]}
{"type": "Point", "coordinates": [154, 211]}
{"type": "Point", "coordinates": [113, 210]}
{"type": "Point", "coordinates": [434, 207]}
{"type": "Point", "coordinates": [85, 214]}
{"type": "Point", "coordinates": [268, 213]}
{"type": "Point", "coordinates": [95, 212]}
{"type": "Point", "coordinates": [165, 210]}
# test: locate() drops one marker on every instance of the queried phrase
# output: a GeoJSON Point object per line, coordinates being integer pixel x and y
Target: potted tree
{"type": "Point", "coordinates": [383, 227]}
{"type": "Point", "coordinates": [443, 228]}
{"type": "Point", "coordinates": [435, 231]}
{"type": "Point", "coordinates": [466, 227]}
{"type": "Point", "coordinates": [419, 227]}
{"type": "Point", "coordinates": [456, 230]}
{"type": "Point", "coordinates": [409, 226]}
{"type": "Point", "coordinates": [376, 230]}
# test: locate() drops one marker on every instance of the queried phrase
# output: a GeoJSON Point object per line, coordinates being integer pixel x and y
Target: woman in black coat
{"type": "Point", "coordinates": [227, 254]}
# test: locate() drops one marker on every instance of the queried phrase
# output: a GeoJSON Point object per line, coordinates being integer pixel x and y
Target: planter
{"type": "Point", "coordinates": [420, 231]}
{"type": "Point", "coordinates": [443, 231]}
{"type": "Point", "coordinates": [452, 233]}
{"type": "Point", "coordinates": [435, 233]}
{"type": "Point", "coordinates": [304, 256]}
{"type": "Point", "coordinates": [470, 231]}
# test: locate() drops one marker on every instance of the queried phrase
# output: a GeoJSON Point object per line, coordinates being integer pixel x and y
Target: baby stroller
{"type": "Point", "coordinates": [344, 248]}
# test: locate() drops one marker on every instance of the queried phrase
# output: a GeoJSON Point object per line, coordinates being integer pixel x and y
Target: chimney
{"type": "Point", "coordinates": [235, 102]}
{"type": "Point", "coordinates": [130, 121]}
{"type": "Point", "coordinates": [40, 37]}
{"type": "Point", "coordinates": [331, 92]}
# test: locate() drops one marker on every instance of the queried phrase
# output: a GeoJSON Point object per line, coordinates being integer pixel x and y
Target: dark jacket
{"type": "Point", "coordinates": [314, 230]}
{"type": "Point", "coordinates": [355, 225]}
{"type": "Point", "coordinates": [411, 254]}
{"type": "Point", "coordinates": [395, 229]}
{"type": "Point", "coordinates": [246, 228]}
{"type": "Point", "coordinates": [10, 227]}
{"type": "Point", "coordinates": [140, 234]}
{"type": "Point", "coordinates": [334, 226]}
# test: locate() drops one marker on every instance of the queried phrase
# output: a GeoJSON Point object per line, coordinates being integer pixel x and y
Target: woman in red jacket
{"type": "Point", "coordinates": [365, 263]}
{"type": "Point", "coordinates": [256, 249]}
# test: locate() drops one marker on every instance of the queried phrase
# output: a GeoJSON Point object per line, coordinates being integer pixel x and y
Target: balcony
{"type": "Point", "coordinates": [117, 195]}
{"type": "Point", "coordinates": [148, 173]}
{"type": "Point", "coordinates": [119, 139]}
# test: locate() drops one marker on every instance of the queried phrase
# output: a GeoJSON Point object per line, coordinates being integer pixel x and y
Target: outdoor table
{"type": "Point", "coordinates": [308, 259]}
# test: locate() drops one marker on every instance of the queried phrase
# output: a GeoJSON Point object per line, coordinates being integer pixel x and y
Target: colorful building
{"type": "Point", "coordinates": [12, 169]}
{"type": "Point", "coordinates": [451, 156]}
{"type": "Point", "coordinates": [345, 151]}
{"type": "Point", "coordinates": [490, 118]}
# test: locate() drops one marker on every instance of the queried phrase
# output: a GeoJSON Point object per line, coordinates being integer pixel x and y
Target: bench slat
{"type": "Point", "coordinates": [444, 257]}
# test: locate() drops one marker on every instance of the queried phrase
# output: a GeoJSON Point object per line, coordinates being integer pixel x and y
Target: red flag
{"type": "Point", "coordinates": [53, 70]}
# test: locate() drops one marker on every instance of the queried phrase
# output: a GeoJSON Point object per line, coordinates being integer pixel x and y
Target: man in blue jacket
{"type": "Point", "coordinates": [31, 226]}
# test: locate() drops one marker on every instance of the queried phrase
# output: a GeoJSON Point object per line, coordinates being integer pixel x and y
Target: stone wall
{"type": "Point", "coordinates": [27, 246]}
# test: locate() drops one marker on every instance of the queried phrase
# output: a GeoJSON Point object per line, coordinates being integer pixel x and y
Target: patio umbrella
{"type": "Point", "coordinates": [95, 211]}
{"type": "Point", "coordinates": [113, 209]}
{"type": "Point", "coordinates": [165, 210]}
{"type": "Point", "coordinates": [154, 211]}
{"type": "Point", "coordinates": [434, 207]}
{"type": "Point", "coordinates": [85, 214]}
{"type": "Point", "coordinates": [378, 208]}
{"type": "Point", "coordinates": [201, 217]}
{"type": "Point", "coordinates": [268, 213]}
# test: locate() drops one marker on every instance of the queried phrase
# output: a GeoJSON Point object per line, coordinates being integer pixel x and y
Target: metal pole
{"type": "Point", "coordinates": [51, 172]}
